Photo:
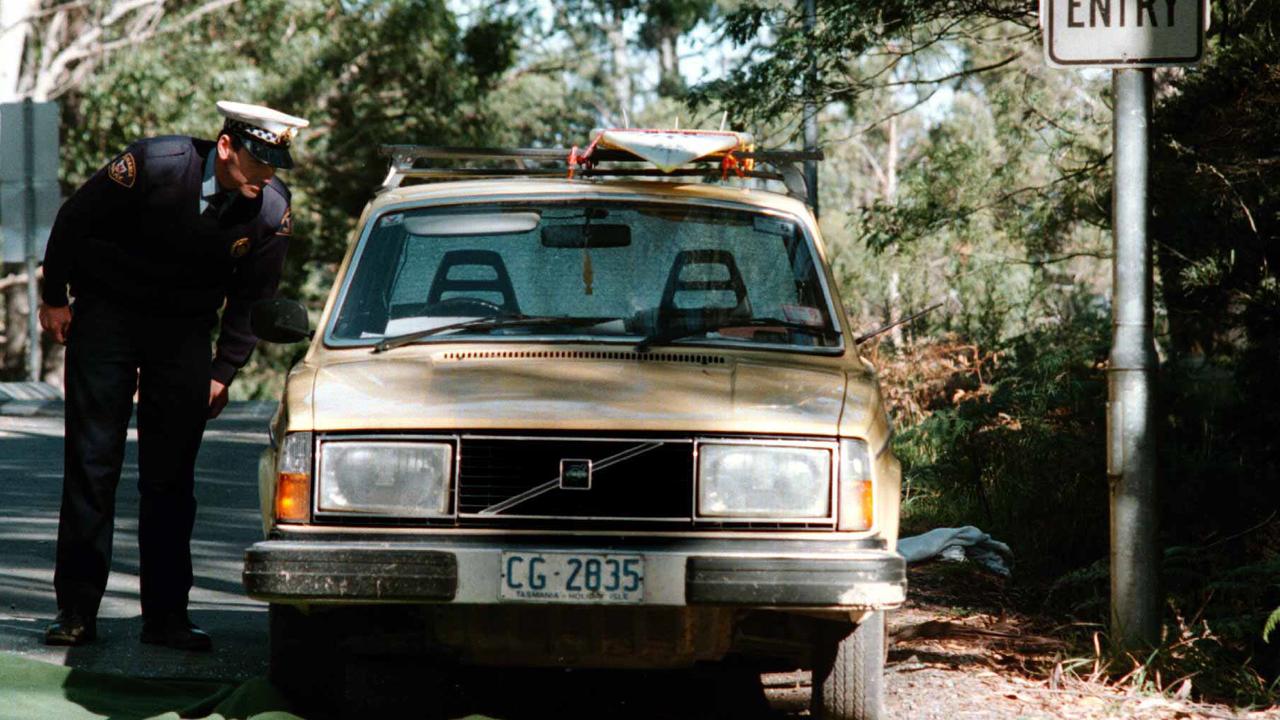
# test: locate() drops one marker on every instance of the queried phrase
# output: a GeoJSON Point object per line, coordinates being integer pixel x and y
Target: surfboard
{"type": "Point", "coordinates": [669, 149]}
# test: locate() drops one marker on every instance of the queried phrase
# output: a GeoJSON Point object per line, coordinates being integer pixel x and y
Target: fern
{"type": "Point", "coordinates": [1271, 624]}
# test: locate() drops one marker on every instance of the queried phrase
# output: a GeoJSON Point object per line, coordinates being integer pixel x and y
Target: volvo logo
{"type": "Point", "coordinates": [575, 474]}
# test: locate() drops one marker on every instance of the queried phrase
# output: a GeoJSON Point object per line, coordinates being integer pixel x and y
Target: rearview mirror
{"type": "Point", "coordinates": [579, 236]}
{"type": "Point", "coordinates": [280, 320]}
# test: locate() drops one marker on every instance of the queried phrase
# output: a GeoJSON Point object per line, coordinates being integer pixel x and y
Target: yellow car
{"type": "Point", "coordinates": [589, 422]}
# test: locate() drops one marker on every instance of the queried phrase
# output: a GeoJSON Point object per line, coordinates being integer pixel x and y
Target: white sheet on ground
{"type": "Point", "coordinates": [958, 544]}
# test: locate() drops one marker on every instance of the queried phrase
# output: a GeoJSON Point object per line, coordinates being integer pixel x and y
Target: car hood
{"type": "Point", "coordinates": [561, 390]}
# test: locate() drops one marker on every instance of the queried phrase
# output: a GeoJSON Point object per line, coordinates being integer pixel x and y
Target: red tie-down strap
{"type": "Point", "coordinates": [582, 159]}
{"type": "Point", "coordinates": [730, 163]}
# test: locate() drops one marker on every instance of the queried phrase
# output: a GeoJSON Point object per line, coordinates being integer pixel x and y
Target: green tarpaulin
{"type": "Point", "coordinates": [34, 690]}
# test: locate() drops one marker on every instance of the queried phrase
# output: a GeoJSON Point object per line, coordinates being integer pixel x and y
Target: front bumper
{"type": "Point", "coordinates": [758, 573]}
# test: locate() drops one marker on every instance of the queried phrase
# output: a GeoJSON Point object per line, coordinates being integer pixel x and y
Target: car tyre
{"type": "Point", "coordinates": [848, 671]}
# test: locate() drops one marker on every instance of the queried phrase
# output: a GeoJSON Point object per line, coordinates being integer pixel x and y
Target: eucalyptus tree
{"type": "Point", "coordinates": [49, 50]}
{"type": "Point", "coordinates": [365, 73]}
{"type": "Point", "coordinates": [954, 156]}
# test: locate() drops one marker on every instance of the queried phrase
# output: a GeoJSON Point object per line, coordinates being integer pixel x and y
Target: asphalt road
{"type": "Point", "coordinates": [227, 521]}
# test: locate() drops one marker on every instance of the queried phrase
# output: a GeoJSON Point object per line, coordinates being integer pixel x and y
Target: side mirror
{"type": "Point", "coordinates": [280, 320]}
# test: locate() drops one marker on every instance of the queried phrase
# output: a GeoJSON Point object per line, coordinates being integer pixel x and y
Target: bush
{"type": "Point", "coordinates": [1018, 452]}
{"type": "Point", "coordinates": [1012, 440]}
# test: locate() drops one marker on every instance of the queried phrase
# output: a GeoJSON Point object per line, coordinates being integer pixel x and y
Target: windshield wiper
{"type": "Point", "coordinates": [488, 323]}
{"type": "Point", "coordinates": [672, 333]}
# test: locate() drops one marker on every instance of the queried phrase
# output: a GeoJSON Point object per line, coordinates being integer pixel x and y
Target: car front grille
{"type": "Point", "coordinates": [637, 483]}
{"type": "Point", "coordinates": [513, 479]}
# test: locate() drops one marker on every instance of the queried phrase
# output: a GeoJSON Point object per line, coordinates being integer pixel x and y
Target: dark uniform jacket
{"type": "Point", "coordinates": [133, 235]}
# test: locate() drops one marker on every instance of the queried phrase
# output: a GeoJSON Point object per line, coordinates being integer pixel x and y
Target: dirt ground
{"type": "Point", "coordinates": [988, 662]}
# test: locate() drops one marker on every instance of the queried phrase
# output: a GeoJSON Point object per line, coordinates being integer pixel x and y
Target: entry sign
{"type": "Point", "coordinates": [1123, 33]}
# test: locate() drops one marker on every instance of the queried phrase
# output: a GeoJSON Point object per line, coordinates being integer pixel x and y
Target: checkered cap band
{"type": "Point", "coordinates": [244, 129]}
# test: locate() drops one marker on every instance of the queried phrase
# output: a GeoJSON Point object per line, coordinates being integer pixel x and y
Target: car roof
{"type": "Point", "coordinates": [472, 190]}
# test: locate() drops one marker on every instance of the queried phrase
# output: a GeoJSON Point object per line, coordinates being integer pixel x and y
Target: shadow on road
{"type": "Point", "coordinates": [35, 689]}
{"type": "Point", "coordinates": [238, 640]}
{"type": "Point", "coordinates": [113, 698]}
{"type": "Point", "coordinates": [638, 695]}
{"type": "Point", "coordinates": [227, 521]}
{"type": "Point", "coordinates": [408, 690]}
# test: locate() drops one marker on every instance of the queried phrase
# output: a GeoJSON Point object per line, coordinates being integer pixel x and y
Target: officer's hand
{"type": "Point", "coordinates": [56, 321]}
{"type": "Point", "coordinates": [217, 398]}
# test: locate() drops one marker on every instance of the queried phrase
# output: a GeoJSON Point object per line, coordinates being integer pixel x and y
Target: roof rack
{"type": "Point", "coordinates": [564, 160]}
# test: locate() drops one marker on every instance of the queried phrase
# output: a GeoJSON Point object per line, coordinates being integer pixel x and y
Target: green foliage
{"type": "Point", "coordinates": [986, 210]}
{"type": "Point", "coordinates": [144, 92]}
{"type": "Point", "coordinates": [664, 22]}
{"type": "Point", "coordinates": [364, 74]}
{"type": "Point", "coordinates": [791, 63]}
{"type": "Point", "coordinates": [1216, 215]}
{"type": "Point", "coordinates": [1273, 621]}
{"type": "Point", "coordinates": [490, 47]}
{"type": "Point", "coordinates": [999, 203]}
{"type": "Point", "coordinates": [1023, 457]}
{"type": "Point", "coordinates": [379, 73]}
{"type": "Point", "coordinates": [1216, 199]}
{"type": "Point", "coordinates": [1229, 597]}
{"type": "Point", "coordinates": [1190, 657]}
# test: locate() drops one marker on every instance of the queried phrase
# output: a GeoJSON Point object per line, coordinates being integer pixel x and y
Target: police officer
{"type": "Point", "coordinates": [151, 247]}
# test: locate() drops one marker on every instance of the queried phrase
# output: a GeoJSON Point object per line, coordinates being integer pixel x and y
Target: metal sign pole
{"type": "Point", "coordinates": [29, 189]}
{"type": "Point", "coordinates": [1131, 457]}
{"type": "Point", "coordinates": [1082, 35]}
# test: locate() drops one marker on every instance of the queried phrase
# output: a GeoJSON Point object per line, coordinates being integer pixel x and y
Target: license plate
{"type": "Point", "coordinates": [571, 577]}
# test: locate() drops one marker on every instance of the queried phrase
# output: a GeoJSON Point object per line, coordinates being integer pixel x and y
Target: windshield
{"type": "Point", "coordinates": [602, 271]}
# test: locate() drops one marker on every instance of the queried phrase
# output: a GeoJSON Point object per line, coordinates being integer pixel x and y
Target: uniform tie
{"type": "Point", "coordinates": [217, 204]}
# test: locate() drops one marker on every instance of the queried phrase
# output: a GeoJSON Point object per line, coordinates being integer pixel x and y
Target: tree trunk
{"type": "Point", "coordinates": [55, 361]}
{"type": "Point", "coordinates": [670, 82]}
{"type": "Point", "coordinates": [618, 55]}
{"type": "Point", "coordinates": [890, 193]}
{"type": "Point", "coordinates": [895, 308]}
{"type": "Point", "coordinates": [13, 39]}
{"type": "Point", "coordinates": [14, 363]}
{"type": "Point", "coordinates": [891, 163]}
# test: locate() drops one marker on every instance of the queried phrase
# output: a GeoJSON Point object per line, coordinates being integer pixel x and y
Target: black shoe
{"type": "Point", "coordinates": [71, 628]}
{"type": "Point", "coordinates": [176, 631]}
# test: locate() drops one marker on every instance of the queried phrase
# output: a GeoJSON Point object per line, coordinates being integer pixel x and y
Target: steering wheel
{"type": "Point", "coordinates": [465, 306]}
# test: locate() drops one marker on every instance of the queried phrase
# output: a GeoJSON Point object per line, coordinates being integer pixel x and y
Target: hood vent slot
{"type": "Point", "coordinates": [650, 357]}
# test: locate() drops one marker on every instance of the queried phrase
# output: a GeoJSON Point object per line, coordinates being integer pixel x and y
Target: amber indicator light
{"type": "Point", "coordinates": [857, 506]}
{"type": "Point", "coordinates": [293, 491]}
{"type": "Point", "coordinates": [868, 504]}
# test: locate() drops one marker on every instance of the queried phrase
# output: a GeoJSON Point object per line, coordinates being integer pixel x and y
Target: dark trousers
{"type": "Point", "coordinates": [111, 351]}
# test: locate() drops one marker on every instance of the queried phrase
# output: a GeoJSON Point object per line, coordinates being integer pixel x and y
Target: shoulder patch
{"type": "Point", "coordinates": [286, 223]}
{"type": "Point", "coordinates": [124, 170]}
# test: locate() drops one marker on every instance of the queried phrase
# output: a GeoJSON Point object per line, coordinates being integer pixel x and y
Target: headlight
{"type": "Point", "coordinates": [857, 492]}
{"type": "Point", "coordinates": [764, 481]}
{"type": "Point", "coordinates": [402, 479]}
